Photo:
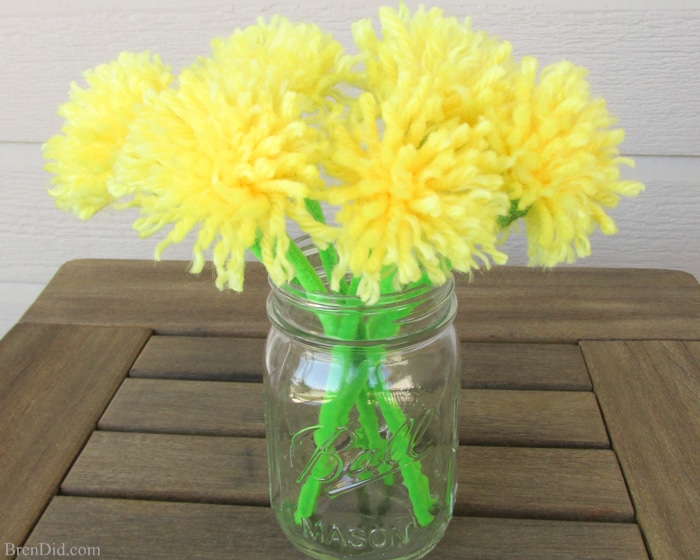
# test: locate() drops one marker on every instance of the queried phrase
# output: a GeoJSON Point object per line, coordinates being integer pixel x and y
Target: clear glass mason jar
{"type": "Point", "coordinates": [361, 420]}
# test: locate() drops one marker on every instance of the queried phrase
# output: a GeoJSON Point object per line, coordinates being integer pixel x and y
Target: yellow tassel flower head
{"type": "Point", "coordinates": [227, 152]}
{"type": "Point", "coordinates": [414, 200]}
{"type": "Point", "coordinates": [97, 120]}
{"type": "Point", "coordinates": [566, 162]}
{"type": "Point", "coordinates": [420, 189]}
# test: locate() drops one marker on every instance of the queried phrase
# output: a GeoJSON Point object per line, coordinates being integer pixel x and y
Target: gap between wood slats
{"type": "Point", "coordinates": [181, 531]}
{"type": "Point", "coordinates": [486, 417]}
{"type": "Point", "coordinates": [573, 484]}
{"type": "Point", "coordinates": [495, 366]}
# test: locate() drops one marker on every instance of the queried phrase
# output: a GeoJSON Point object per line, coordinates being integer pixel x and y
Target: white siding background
{"type": "Point", "coordinates": [643, 57]}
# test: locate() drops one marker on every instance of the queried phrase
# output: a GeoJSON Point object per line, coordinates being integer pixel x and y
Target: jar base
{"type": "Point", "coordinates": [368, 539]}
{"type": "Point", "coordinates": [384, 553]}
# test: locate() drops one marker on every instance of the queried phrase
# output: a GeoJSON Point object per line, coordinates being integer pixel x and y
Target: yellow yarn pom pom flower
{"type": "Point", "coordinates": [97, 120]}
{"type": "Point", "coordinates": [414, 199]}
{"type": "Point", "coordinates": [421, 190]}
{"type": "Point", "coordinates": [229, 152]}
{"type": "Point", "coordinates": [566, 162]}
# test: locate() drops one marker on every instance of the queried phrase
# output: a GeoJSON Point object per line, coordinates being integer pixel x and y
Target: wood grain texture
{"type": "Point", "coordinates": [486, 417]}
{"type": "Point", "coordinates": [524, 366]}
{"type": "Point", "coordinates": [14, 300]}
{"type": "Point", "coordinates": [649, 393]}
{"type": "Point", "coordinates": [192, 357]}
{"type": "Point", "coordinates": [475, 538]}
{"type": "Point", "coordinates": [164, 530]}
{"type": "Point", "coordinates": [566, 305]}
{"type": "Point", "coordinates": [505, 482]}
{"type": "Point", "coordinates": [507, 304]}
{"type": "Point", "coordinates": [171, 531]}
{"type": "Point", "coordinates": [531, 419]}
{"type": "Point", "coordinates": [161, 295]}
{"type": "Point", "coordinates": [569, 484]}
{"type": "Point", "coordinates": [171, 467]}
{"type": "Point", "coordinates": [187, 407]}
{"type": "Point", "coordinates": [55, 381]}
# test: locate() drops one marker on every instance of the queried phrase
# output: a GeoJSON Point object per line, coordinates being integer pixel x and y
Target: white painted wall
{"type": "Point", "coordinates": [643, 57]}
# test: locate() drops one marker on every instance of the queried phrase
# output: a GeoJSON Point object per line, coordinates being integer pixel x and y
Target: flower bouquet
{"type": "Point", "coordinates": [402, 163]}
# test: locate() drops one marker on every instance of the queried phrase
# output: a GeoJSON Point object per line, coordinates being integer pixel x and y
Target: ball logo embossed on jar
{"type": "Point", "coordinates": [343, 458]}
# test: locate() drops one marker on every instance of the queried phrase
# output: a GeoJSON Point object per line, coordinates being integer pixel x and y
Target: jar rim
{"type": "Point", "coordinates": [296, 294]}
{"type": "Point", "coordinates": [414, 312]}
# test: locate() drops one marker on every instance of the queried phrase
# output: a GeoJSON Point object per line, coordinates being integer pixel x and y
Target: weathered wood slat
{"type": "Point", "coordinates": [508, 482]}
{"type": "Point", "coordinates": [196, 357]}
{"type": "Point", "coordinates": [163, 530]}
{"type": "Point", "coordinates": [593, 313]}
{"type": "Point", "coordinates": [163, 296]}
{"type": "Point", "coordinates": [56, 382]}
{"type": "Point", "coordinates": [487, 417]}
{"type": "Point", "coordinates": [181, 531]}
{"type": "Point", "coordinates": [531, 418]}
{"type": "Point", "coordinates": [484, 366]}
{"type": "Point", "coordinates": [170, 467]}
{"type": "Point", "coordinates": [649, 393]}
{"type": "Point", "coordinates": [475, 538]}
{"type": "Point", "coordinates": [187, 407]}
{"type": "Point", "coordinates": [573, 484]}
{"type": "Point", "coordinates": [524, 366]}
{"type": "Point", "coordinates": [562, 305]}
{"type": "Point", "coordinates": [506, 278]}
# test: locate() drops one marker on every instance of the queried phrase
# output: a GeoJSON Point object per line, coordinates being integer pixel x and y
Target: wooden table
{"type": "Point", "coordinates": [131, 417]}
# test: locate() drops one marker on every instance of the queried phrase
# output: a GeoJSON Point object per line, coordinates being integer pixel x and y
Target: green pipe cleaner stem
{"type": "Point", "coordinates": [334, 413]}
{"type": "Point", "coordinates": [305, 273]}
{"type": "Point", "coordinates": [352, 391]}
{"type": "Point", "coordinates": [417, 484]}
{"type": "Point", "coordinates": [328, 256]}
{"type": "Point", "coordinates": [514, 214]}
{"type": "Point", "coordinates": [366, 405]}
